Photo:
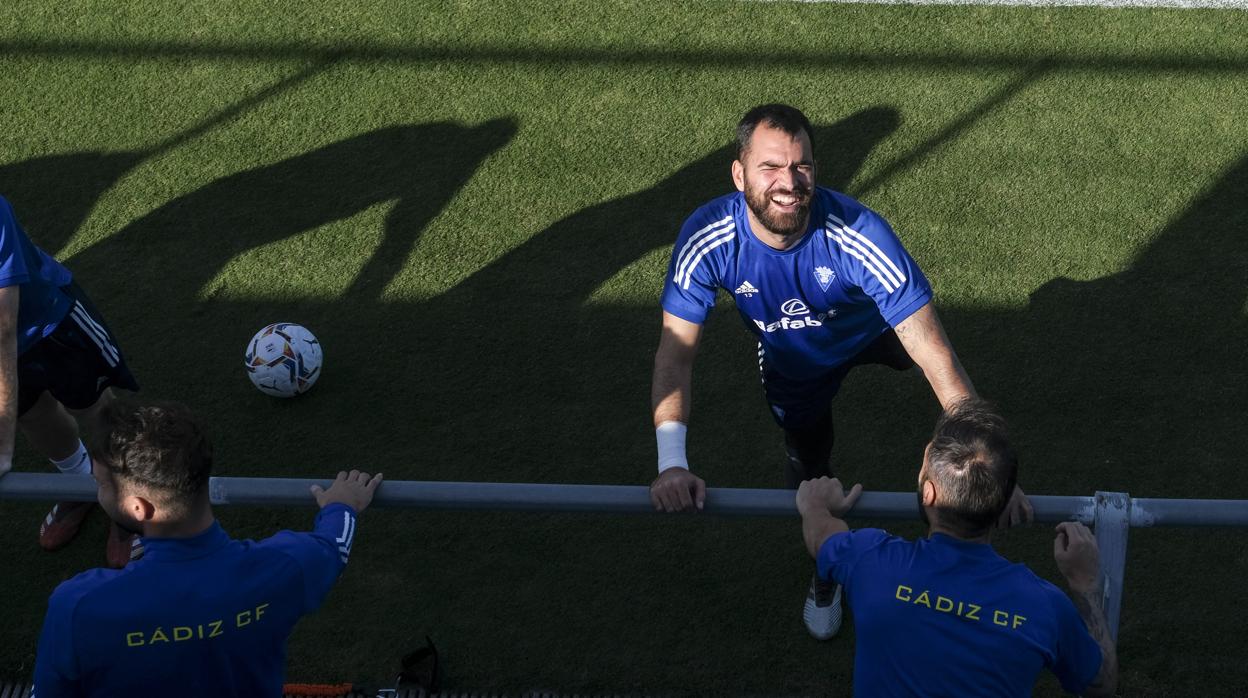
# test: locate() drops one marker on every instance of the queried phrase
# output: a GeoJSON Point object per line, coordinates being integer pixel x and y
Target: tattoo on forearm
{"type": "Point", "coordinates": [1090, 608]}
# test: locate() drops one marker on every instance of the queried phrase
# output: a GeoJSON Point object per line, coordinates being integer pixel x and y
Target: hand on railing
{"type": "Point", "coordinates": [1077, 555]}
{"type": "Point", "coordinates": [677, 489]}
{"type": "Point", "coordinates": [1018, 511]}
{"type": "Point", "coordinates": [355, 490]}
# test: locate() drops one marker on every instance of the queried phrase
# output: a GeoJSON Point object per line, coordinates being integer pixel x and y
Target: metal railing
{"type": "Point", "coordinates": [1111, 514]}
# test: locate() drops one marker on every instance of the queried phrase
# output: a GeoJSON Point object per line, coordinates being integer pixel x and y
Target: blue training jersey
{"type": "Point", "coordinates": [812, 306]}
{"type": "Point", "coordinates": [945, 617]}
{"type": "Point", "coordinates": [203, 616]}
{"type": "Point", "coordinates": [41, 303]}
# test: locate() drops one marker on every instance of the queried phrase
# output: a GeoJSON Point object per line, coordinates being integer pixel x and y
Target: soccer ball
{"type": "Point", "coordinates": [283, 359]}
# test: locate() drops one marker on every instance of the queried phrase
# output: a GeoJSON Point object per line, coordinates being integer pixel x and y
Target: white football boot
{"type": "Point", "coordinates": [822, 611]}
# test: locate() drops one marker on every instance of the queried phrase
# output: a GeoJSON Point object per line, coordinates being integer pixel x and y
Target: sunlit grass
{"type": "Point", "coordinates": [471, 203]}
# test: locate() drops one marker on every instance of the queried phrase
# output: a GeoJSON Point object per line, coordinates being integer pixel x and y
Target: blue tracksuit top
{"type": "Point", "coordinates": [202, 616]}
{"type": "Point", "coordinates": [941, 616]}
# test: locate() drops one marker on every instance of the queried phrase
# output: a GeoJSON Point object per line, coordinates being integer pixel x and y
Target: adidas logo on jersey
{"type": "Point", "coordinates": [746, 289]}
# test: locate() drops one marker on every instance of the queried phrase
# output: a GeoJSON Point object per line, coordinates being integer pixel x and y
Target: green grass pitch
{"type": "Point", "coordinates": [472, 205]}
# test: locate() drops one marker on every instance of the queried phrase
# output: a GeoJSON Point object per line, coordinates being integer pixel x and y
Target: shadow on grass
{"type": "Point", "coordinates": [184, 244]}
{"type": "Point", "coordinates": [55, 193]}
{"type": "Point", "coordinates": [825, 57]}
{"type": "Point", "coordinates": [508, 376]}
{"type": "Point", "coordinates": [1132, 382]}
{"type": "Point", "coordinates": [516, 334]}
{"type": "Point", "coordinates": [1142, 375]}
{"type": "Point", "coordinates": [52, 195]}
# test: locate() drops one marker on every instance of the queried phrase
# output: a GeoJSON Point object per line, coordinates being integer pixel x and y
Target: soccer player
{"type": "Point", "coordinates": [200, 614]}
{"type": "Point", "coordinates": [946, 615]}
{"type": "Point", "coordinates": [57, 357]}
{"type": "Point", "coordinates": [823, 283]}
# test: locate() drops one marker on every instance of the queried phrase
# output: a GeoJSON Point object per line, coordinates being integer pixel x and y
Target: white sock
{"type": "Point", "coordinates": [77, 464]}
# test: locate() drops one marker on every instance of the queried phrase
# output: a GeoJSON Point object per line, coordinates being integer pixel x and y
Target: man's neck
{"type": "Point", "coordinates": [935, 527]}
{"type": "Point", "coordinates": [772, 240]}
{"type": "Point", "coordinates": [189, 526]}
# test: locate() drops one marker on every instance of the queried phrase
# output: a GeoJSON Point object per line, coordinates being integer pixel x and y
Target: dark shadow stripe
{"type": "Point", "coordinates": [630, 58]}
{"type": "Point", "coordinates": [955, 128]}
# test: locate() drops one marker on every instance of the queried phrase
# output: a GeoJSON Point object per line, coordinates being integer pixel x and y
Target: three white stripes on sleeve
{"type": "Point", "coordinates": [345, 540]}
{"type": "Point", "coordinates": [700, 243]}
{"type": "Point", "coordinates": [850, 241]}
{"type": "Point", "coordinates": [858, 246]}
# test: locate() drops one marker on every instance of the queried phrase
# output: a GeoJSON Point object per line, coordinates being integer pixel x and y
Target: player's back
{"type": "Point", "coordinates": [945, 617]}
{"type": "Point", "coordinates": [204, 616]}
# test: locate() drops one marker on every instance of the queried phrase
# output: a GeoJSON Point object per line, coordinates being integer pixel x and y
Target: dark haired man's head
{"type": "Point", "coordinates": [775, 167]}
{"type": "Point", "coordinates": [969, 469]}
{"type": "Point", "coordinates": [152, 463]}
{"type": "Point", "coordinates": [786, 119]}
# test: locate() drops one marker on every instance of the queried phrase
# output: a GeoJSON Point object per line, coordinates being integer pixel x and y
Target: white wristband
{"type": "Point", "coordinates": [671, 438]}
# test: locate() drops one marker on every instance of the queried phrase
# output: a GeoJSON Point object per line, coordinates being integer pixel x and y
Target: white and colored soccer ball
{"type": "Point", "coordinates": [283, 359]}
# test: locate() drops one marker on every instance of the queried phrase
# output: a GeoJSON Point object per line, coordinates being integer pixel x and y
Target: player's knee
{"type": "Point", "coordinates": [47, 411]}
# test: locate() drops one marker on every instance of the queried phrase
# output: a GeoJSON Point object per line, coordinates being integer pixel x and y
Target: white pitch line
{"type": "Point", "coordinates": [1178, 4]}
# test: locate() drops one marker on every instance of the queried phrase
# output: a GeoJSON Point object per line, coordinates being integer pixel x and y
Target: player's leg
{"type": "Point", "coordinates": [809, 450]}
{"type": "Point", "coordinates": [80, 363]}
{"type": "Point", "coordinates": [803, 409]}
{"type": "Point", "coordinates": [809, 447]}
{"type": "Point", "coordinates": [54, 433]}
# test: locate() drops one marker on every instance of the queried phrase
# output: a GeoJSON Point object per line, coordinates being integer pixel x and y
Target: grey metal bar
{"type": "Point", "coordinates": [1188, 512]}
{"type": "Point", "coordinates": [619, 499]}
{"type": "Point", "coordinates": [47, 487]}
{"type": "Point", "coordinates": [1113, 524]}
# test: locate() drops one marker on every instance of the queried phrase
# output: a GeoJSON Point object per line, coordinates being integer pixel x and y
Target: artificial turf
{"type": "Point", "coordinates": [472, 205]}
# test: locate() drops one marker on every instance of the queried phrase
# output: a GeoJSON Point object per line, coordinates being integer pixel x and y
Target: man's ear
{"type": "Point", "coordinates": [138, 507]}
{"type": "Point", "coordinates": [738, 175]}
{"type": "Point", "coordinates": [929, 493]}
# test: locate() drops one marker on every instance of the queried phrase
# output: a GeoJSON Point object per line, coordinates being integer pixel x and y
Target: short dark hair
{"type": "Point", "coordinates": [973, 465]}
{"type": "Point", "coordinates": [159, 445]}
{"type": "Point", "coordinates": [781, 116]}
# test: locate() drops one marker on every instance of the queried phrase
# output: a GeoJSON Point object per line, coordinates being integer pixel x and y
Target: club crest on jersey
{"type": "Point", "coordinates": [824, 275]}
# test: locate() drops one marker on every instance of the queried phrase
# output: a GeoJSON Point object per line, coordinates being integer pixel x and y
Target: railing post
{"type": "Point", "coordinates": [1113, 522]}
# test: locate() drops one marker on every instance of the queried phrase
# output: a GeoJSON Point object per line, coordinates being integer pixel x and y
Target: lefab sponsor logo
{"type": "Point", "coordinates": [794, 306]}
{"type": "Point", "coordinates": [797, 316]}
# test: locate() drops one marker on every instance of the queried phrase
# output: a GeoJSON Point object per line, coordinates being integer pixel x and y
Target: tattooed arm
{"type": "Point", "coordinates": [1079, 561]}
{"type": "Point", "coordinates": [924, 339]}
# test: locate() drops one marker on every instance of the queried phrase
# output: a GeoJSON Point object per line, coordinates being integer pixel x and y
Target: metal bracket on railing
{"type": "Point", "coordinates": [1113, 522]}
